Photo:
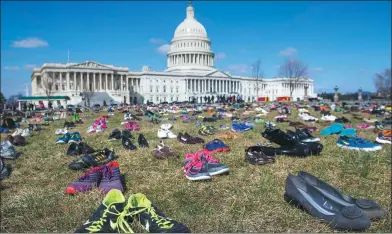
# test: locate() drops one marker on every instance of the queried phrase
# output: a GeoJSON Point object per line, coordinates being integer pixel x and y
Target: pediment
{"type": "Point", "coordinates": [90, 64]}
{"type": "Point", "coordinates": [218, 74]}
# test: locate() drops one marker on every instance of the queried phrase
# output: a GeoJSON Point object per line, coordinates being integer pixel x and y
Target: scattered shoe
{"type": "Point", "coordinates": [142, 141]}
{"type": "Point", "coordinates": [111, 177]}
{"type": "Point", "coordinates": [115, 135]}
{"type": "Point", "coordinates": [88, 181]}
{"type": "Point", "coordinates": [92, 160]}
{"type": "Point", "coordinates": [4, 170]}
{"type": "Point", "coordinates": [254, 155]}
{"type": "Point", "coordinates": [127, 143]}
{"type": "Point", "coordinates": [63, 139]}
{"type": "Point", "coordinates": [357, 143]}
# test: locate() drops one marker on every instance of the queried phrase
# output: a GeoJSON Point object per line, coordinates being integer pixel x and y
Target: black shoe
{"type": "Point", "coordinates": [342, 120]}
{"type": "Point", "coordinates": [254, 155]}
{"type": "Point", "coordinates": [150, 217]}
{"type": "Point", "coordinates": [321, 206]}
{"type": "Point", "coordinates": [142, 141]}
{"type": "Point", "coordinates": [127, 133]}
{"type": "Point", "coordinates": [115, 135]}
{"type": "Point", "coordinates": [78, 149]}
{"type": "Point", "coordinates": [298, 150]}
{"type": "Point", "coordinates": [127, 143]}
{"type": "Point", "coordinates": [92, 160]}
{"type": "Point", "coordinates": [303, 135]}
{"type": "Point", "coordinates": [107, 218]}
{"type": "Point", "coordinates": [279, 137]}
{"type": "Point", "coordinates": [370, 207]}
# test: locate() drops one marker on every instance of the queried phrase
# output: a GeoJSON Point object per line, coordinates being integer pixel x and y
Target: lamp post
{"type": "Point", "coordinates": [360, 99]}
{"type": "Point", "coordinates": [336, 96]}
{"type": "Point", "coordinates": [306, 87]}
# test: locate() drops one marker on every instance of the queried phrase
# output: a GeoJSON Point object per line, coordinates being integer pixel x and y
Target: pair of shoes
{"type": "Point", "coordinates": [127, 116]}
{"type": "Point", "coordinates": [216, 145]}
{"type": "Point", "coordinates": [4, 170]}
{"type": "Point", "coordinates": [116, 134]}
{"type": "Point", "coordinates": [142, 141]}
{"type": "Point", "coordinates": [69, 124]}
{"type": "Point", "coordinates": [163, 133]}
{"type": "Point", "coordinates": [325, 202]}
{"type": "Point", "coordinates": [255, 155]}
{"type": "Point", "coordinates": [7, 150]}
{"type": "Point", "coordinates": [115, 214]}
{"type": "Point", "coordinates": [105, 177]}
{"type": "Point", "coordinates": [92, 160]}
{"type": "Point", "coordinates": [162, 151]}
{"type": "Point", "coordinates": [61, 131]}
{"type": "Point", "coordinates": [299, 143]}
{"type": "Point", "coordinates": [22, 132]}
{"type": "Point", "coordinates": [357, 143]}
{"type": "Point", "coordinates": [188, 139]}
{"type": "Point", "coordinates": [240, 127]}
{"type": "Point", "coordinates": [78, 149]}
{"type": "Point", "coordinates": [204, 131]}
{"type": "Point", "coordinates": [69, 138]}
{"type": "Point", "coordinates": [201, 166]}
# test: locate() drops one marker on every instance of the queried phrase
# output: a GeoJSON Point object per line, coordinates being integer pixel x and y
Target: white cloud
{"type": "Point", "coordinates": [163, 49]}
{"type": "Point", "coordinates": [31, 42]}
{"type": "Point", "coordinates": [157, 41]}
{"type": "Point", "coordinates": [29, 66]}
{"type": "Point", "coordinates": [220, 56]}
{"type": "Point", "coordinates": [238, 68]}
{"type": "Point", "coordinates": [288, 51]}
{"type": "Point", "coordinates": [316, 69]}
{"type": "Point", "coordinates": [11, 68]}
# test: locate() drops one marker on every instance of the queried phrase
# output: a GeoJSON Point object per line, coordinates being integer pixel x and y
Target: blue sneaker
{"type": "Point", "coordinates": [212, 146]}
{"type": "Point", "coordinates": [357, 143]}
{"type": "Point", "coordinates": [63, 139]}
{"type": "Point", "coordinates": [334, 128]}
{"type": "Point", "coordinates": [75, 137]}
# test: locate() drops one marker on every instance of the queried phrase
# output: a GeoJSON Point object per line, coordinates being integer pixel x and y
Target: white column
{"type": "Point", "coordinates": [112, 75]}
{"type": "Point", "coordinates": [127, 84]}
{"type": "Point", "coordinates": [94, 81]}
{"type": "Point", "coordinates": [81, 82]}
{"type": "Point", "coordinates": [61, 82]}
{"type": "Point", "coordinates": [74, 78]}
{"type": "Point", "coordinates": [67, 88]}
{"type": "Point", "coordinates": [122, 83]}
{"type": "Point", "coordinates": [100, 82]}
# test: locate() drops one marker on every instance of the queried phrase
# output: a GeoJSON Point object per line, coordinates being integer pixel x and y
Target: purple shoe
{"type": "Point", "coordinates": [111, 178]}
{"type": "Point", "coordinates": [87, 182]}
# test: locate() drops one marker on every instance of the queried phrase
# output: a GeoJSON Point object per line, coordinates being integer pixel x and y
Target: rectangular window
{"type": "Point", "coordinates": [171, 89]}
{"type": "Point", "coordinates": [164, 88]}
{"type": "Point", "coordinates": [157, 99]}
{"type": "Point", "coordinates": [177, 89]}
{"type": "Point", "coordinates": [157, 89]}
{"type": "Point", "coordinates": [150, 88]}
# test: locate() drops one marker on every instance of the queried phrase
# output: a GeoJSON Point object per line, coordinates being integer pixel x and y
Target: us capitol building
{"type": "Point", "coordinates": [190, 74]}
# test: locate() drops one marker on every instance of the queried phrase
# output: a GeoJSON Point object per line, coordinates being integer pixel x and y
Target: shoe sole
{"type": "Point", "coordinates": [198, 178]}
{"type": "Point", "coordinates": [72, 141]}
{"type": "Point", "coordinates": [222, 171]}
{"type": "Point", "coordinates": [383, 141]}
{"type": "Point", "coordinates": [357, 148]}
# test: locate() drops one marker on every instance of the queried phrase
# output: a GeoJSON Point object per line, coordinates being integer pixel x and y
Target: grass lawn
{"type": "Point", "coordinates": [249, 199]}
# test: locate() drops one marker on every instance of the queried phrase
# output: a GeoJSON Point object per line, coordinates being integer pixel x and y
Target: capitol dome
{"type": "Point", "coordinates": [190, 48]}
{"type": "Point", "coordinates": [190, 26]}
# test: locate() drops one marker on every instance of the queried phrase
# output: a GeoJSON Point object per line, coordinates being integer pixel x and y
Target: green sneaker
{"type": "Point", "coordinates": [109, 217]}
{"type": "Point", "coordinates": [152, 219]}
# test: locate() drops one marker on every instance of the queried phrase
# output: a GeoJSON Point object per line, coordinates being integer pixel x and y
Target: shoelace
{"type": "Point", "coordinates": [195, 163]}
{"type": "Point", "coordinates": [121, 222]}
{"type": "Point", "coordinates": [207, 156]}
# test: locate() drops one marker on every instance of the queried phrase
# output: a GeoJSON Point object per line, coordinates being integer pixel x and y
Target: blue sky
{"type": "Point", "coordinates": [343, 43]}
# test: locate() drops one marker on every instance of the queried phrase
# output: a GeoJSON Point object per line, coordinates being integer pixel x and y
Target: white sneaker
{"type": "Point", "coordinates": [26, 132]}
{"type": "Point", "coordinates": [59, 131]}
{"type": "Point", "coordinates": [91, 129]}
{"type": "Point", "coordinates": [170, 134]}
{"type": "Point", "coordinates": [17, 132]}
{"type": "Point", "coordinates": [166, 126]}
{"type": "Point", "coordinates": [162, 133]}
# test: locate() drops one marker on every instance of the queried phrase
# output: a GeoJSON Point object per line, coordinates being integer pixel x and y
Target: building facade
{"type": "Point", "coordinates": [190, 75]}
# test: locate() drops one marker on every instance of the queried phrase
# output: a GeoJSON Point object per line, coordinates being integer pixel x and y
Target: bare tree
{"type": "Point", "coordinates": [257, 74]}
{"type": "Point", "coordinates": [87, 95]}
{"type": "Point", "coordinates": [47, 85]}
{"type": "Point", "coordinates": [295, 72]}
{"type": "Point", "coordinates": [382, 82]}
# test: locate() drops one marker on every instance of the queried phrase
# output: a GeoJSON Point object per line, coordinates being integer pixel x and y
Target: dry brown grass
{"type": "Point", "coordinates": [249, 199]}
